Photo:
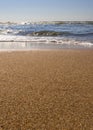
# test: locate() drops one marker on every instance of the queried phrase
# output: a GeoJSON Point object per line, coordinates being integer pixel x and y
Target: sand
{"type": "Point", "coordinates": [46, 90]}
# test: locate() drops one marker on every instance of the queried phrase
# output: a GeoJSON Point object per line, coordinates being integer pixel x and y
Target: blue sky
{"type": "Point", "coordinates": [42, 10]}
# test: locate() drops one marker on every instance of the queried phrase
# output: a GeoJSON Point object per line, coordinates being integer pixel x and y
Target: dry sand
{"type": "Point", "coordinates": [46, 90]}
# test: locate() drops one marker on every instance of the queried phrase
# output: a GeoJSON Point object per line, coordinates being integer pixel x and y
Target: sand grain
{"type": "Point", "coordinates": [46, 90]}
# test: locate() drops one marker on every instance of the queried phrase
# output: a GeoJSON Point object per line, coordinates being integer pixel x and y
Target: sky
{"type": "Point", "coordinates": [46, 10]}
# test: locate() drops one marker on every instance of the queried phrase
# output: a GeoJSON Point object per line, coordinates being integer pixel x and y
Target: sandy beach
{"type": "Point", "coordinates": [46, 90]}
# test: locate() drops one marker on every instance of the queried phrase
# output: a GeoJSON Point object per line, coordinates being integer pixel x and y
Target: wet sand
{"type": "Point", "coordinates": [46, 90]}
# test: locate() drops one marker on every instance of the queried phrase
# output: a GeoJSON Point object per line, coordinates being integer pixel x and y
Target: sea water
{"type": "Point", "coordinates": [46, 35]}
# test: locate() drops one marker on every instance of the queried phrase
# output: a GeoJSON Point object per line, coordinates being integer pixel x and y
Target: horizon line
{"type": "Point", "coordinates": [46, 21]}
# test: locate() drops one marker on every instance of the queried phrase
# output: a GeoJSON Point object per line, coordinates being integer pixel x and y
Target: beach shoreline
{"type": "Point", "coordinates": [46, 89]}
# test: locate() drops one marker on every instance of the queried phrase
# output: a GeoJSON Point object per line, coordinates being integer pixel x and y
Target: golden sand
{"type": "Point", "coordinates": [46, 90]}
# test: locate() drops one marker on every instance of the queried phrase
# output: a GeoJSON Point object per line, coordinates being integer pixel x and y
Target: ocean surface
{"type": "Point", "coordinates": [46, 35]}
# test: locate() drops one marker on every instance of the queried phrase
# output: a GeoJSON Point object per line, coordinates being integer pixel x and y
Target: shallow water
{"type": "Point", "coordinates": [47, 35]}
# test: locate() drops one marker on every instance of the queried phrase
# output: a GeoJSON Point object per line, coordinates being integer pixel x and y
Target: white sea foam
{"type": "Point", "coordinates": [28, 35]}
{"type": "Point", "coordinates": [44, 40]}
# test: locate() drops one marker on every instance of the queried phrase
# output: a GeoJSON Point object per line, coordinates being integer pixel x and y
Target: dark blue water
{"type": "Point", "coordinates": [46, 35]}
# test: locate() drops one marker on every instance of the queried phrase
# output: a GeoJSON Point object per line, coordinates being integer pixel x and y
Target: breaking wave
{"type": "Point", "coordinates": [54, 33]}
{"type": "Point", "coordinates": [77, 34]}
{"type": "Point", "coordinates": [46, 40]}
{"type": "Point", "coordinates": [43, 33]}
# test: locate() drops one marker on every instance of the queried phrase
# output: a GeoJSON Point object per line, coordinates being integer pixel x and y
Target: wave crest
{"type": "Point", "coordinates": [45, 33]}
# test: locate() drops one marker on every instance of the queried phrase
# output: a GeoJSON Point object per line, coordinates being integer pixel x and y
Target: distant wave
{"type": "Point", "coordinates": [58, 22]}
{"type": "Point", "coordinates": [70, 22]}
{"type": "Point", "coordinates": [47, 22]}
